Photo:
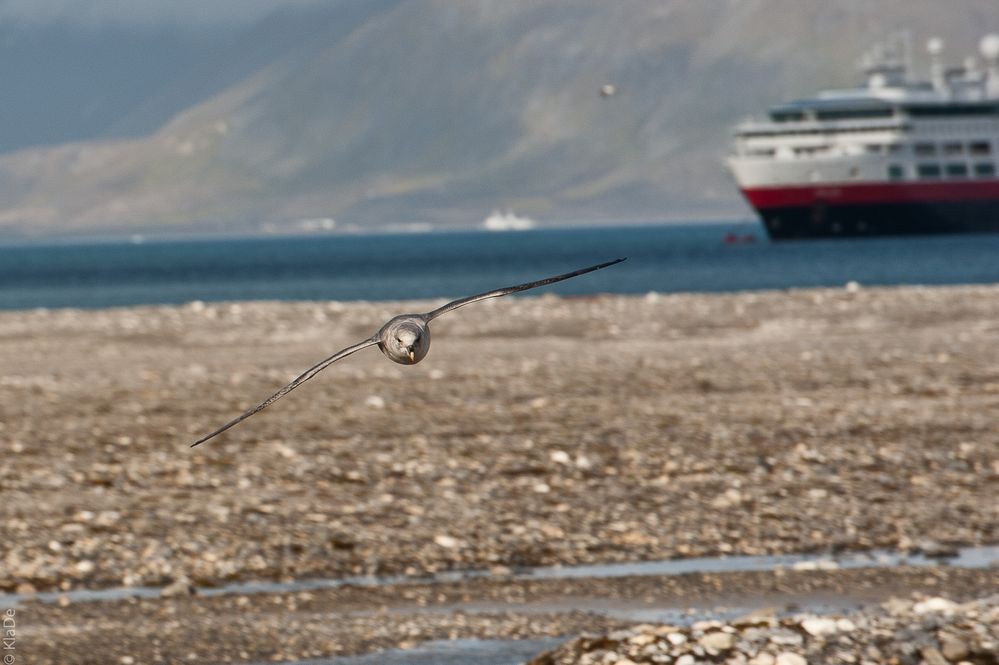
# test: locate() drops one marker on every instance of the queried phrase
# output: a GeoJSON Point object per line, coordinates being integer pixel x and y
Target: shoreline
{"type": "Point", "coordinates": [354, 620]}
{"type": "Point", "coordinates": [975, 558]}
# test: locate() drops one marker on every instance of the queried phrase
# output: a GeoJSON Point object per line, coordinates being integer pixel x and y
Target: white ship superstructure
{"type": "Point", "coordinates": [896, 156]}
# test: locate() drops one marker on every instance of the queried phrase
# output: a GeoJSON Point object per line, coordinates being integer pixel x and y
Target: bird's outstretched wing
{"type": "Point", "coordinates": [461, 302]}
{"type": "Point", "coordinates": [305, 376]}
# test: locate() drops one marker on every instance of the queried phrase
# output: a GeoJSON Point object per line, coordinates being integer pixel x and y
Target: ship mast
{"type": "Point", "coordinates": [989, 48]}
{"type": "Point", "coordinates": [887, 64]}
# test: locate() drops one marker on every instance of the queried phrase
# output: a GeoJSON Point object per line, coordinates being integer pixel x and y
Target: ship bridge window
{"type": "Point", "coordinates": [894, 148]}
{"type": "Point", "coordinates": [957, 170]}
{"type": "Point", "coordinates": [944, 110]}
{"type": "Point", "coordinates": [928, 170]}
{"type": "Point", "coordinates": [896, 172]}
{"type": "Point", "coordinates": [873, 148]}
{"type": "Point", "coordinates": [953, 148]}
{"type": "Point", "coordinates": [985, 169]}
{"type": "Point", "coordinates": [787, 116]}
{"type": "Point", "coordinates": [760, 152]}
{"type": "Point", "coordinates": [924, 149]}
{"type": "Point", "coordinates": [980, 148]}
{"type": "Point", "coordinates": [853, 114]}
{"type": "Point", "coordinates": [811, 149]}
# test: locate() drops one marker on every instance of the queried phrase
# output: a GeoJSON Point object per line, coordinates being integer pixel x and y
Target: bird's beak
{"type": "Point", "coordinates": [412, 356]}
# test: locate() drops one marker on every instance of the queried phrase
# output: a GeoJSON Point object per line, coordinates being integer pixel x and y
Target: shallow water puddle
{"type": "Point", "coordinates": [510, 652]}
{"type": "Point", "coordinates": [968, 557]}
{"type": "Point", "coordinates": [451, 652]}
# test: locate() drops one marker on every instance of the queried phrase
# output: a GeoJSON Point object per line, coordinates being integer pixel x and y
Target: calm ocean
{"type": "Point", "coordinates": [685, 257]}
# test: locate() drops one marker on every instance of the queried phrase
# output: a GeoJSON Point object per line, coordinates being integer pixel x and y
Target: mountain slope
{"type": "Point", "coordinates": [437, 111]}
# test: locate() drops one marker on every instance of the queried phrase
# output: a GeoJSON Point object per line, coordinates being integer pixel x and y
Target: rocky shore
{"type": "Point", "coordinates": [291, 626]}
{"type": "Point", "coordinates": [930, 631]}
{"type": "Point", "coordinates": [538, 431]}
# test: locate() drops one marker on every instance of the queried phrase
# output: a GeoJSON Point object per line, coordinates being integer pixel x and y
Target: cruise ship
{"type": "Point", "coordinates": [897, 156]}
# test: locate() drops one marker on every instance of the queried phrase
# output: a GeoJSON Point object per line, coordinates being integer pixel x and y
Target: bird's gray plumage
{"type": "Point", "coordinates": [405, 339]}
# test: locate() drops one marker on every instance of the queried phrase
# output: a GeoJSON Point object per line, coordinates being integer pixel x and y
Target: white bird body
{"type": "Point", "coordinates": [405, 339]}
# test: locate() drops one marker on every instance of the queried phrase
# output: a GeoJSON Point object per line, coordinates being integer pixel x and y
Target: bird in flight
{"type": "Point", "coordinates": [405, 339]}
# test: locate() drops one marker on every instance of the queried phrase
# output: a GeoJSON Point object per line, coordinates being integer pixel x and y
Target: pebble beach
{"type": "Point", "coordinates": [539, 431]}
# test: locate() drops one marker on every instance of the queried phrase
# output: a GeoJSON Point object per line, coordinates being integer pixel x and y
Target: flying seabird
{"type": "Point", "coordinates": [405, 339]}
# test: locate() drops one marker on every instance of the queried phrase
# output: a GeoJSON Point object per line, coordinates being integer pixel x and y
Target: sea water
{"type": "Point", "coordinates": [707, 257]}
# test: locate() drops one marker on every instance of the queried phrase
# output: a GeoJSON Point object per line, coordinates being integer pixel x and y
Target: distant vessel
{"type": "Point", "coordinates": [898, 156]}
{"type": "Point", "coordinates": [507, 221]}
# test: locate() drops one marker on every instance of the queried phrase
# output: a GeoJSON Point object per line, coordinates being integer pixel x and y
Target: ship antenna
{"type": "Point", "coordinates": [935, 47]}
{"type": "Point", "coordinates": [989, 48]}
{"type": "Point", "coordinates": [906, 37]}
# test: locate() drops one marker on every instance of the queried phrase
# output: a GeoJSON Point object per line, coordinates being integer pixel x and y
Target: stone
{"type": "Point", "coordinates": [715, 643]}
{"type": "Point", "coordinates": [762, 659]}
{"type": "Point", "coordinates": [897, 606]}
{"type": "Point", "coordinates": [932, 656]}
{"type": "Point", "coordinates": [766, 616]}
{"type": "Point", "coordinates": [821, 564]}
{"type": "Point", "coordinates": [789, 658]}
{"type": "Point", "coordinates": [179, 587]}
{"type": "Point", "coordinates": [935, 604]}
{"type": "Point", "coordinates": [953, 648]}
{"type": "Point", "coordinates": [560, 457]}
{"type": "Point", "coordinates": [845, 626]}
{"type": "Point", "coordinates": [642, 639]}
{"type": "Point", "coordinates": [819, 626]}
{"type": "Point", "coordinates": [25, 589]}
{"type": "Point", "coordinates": [787, 638]}
{"type": "Point", "coordinates": [705, 625]}
{"type": "Point", "coordinates": [446, 541]}
{"type": "Point", "coordinates": [936, 550]}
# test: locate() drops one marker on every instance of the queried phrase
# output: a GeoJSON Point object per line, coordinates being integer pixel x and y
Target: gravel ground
{"type": "Point", "coordinates": [538, 431]}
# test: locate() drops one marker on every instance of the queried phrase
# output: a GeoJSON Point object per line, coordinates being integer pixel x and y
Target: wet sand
{"type": "Point", "coordinates": [537, 431]}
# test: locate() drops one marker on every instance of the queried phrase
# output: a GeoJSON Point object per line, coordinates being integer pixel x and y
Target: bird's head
{"type": "Point", "coordinates": [405, 340]}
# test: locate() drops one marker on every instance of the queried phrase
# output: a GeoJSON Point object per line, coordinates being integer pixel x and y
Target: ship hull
{"type": "Point", "coordinates": [877, 210]}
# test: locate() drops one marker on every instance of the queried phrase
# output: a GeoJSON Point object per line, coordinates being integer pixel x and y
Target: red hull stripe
{"type": "Point", "coordinates": [885, 192]}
